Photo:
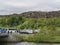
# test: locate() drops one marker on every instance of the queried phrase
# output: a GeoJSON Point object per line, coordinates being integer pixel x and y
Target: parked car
{"type": "Point", "coordinates": [36, 31]}
{"type": "Point", "coordinates": [3, 30]}
{"type": "Point", "coordinates": [11, 30]}
{"type": "Point", "coordinates": [26, 31]}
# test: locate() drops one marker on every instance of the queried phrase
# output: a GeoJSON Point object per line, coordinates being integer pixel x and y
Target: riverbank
{"type": "Point", "coordinates": [29, 43]}
{"type": "Point", "coordinates": [10, 39]}
{"type": "Point", "coordinates": [39, 38]}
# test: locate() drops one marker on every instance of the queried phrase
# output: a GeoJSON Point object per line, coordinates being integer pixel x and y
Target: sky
{"type": "Point", "coordinates": [19, 6]}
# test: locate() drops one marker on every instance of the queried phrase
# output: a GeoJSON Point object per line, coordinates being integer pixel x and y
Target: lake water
{"type": "Point", "coordinates": [26, 43]}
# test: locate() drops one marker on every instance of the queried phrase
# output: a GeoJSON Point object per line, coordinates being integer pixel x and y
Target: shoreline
{"type": "Point", "coordinates": [28, 41]}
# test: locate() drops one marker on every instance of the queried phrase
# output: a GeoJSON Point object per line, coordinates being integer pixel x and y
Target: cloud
{"type": "Point", "coordinates": [18, 6]}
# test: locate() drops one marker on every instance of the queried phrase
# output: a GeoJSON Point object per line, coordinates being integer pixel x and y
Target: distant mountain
{"type": "Point", "coordinates": [37, 14]}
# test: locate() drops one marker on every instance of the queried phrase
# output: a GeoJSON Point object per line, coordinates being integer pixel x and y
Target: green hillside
{"type": "Point", "coordinates": [30, 23]}
{"type": "Point", "coordinates": [49, 27]}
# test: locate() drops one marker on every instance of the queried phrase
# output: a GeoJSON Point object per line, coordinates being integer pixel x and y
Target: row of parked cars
{"type": "Point", "coordinates": [7, 30]}
{"type": "Point", "coordinates": [29, 31]}
{"type": "Point", "coordinates": [13, 30]}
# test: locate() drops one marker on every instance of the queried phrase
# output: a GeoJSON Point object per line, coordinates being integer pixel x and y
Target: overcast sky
{"type": "Point", "coordinates": [19, 6]}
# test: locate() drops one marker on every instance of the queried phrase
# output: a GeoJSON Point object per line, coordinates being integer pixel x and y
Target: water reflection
{"type": "Point", "coordinates": [2, 44]}
{"type": "Point", "coordinates": [26, 43]}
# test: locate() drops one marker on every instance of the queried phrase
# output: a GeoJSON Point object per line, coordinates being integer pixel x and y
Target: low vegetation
{"type": "Point", "coordinates": [49, 27]}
